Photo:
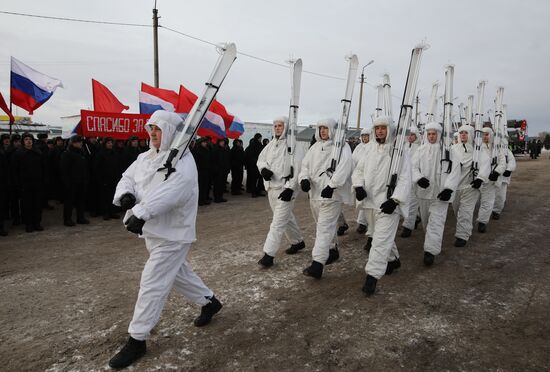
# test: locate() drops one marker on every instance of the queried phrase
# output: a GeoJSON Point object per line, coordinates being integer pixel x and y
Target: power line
{"type": "Point", "coordinates": [67, 19]}
{"type": "Point", "coordinates": [75, 19]}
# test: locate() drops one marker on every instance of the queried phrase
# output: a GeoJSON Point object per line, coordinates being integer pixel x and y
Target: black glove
{"type": "Point", "coordinates": [266, 174]}
{"type": "Point", "coordinates": [135, 225]}
{"type": "Point", "coordinates": [388, 206]}
{"type": "Point", "coordinates": [360, 193]}
{"type": "Point", "coordinates": [286, 195]}
{"type": "Point", "coordinates": [423, 182]}
{"type": "Point", "coordinates": [494, 176]}
{"type": "Point", "coordinates": [476, 184]}
{"type": "Point", "coordinates": [445, 195]}
{"type": "Point", "coordinates": [327, 192]}
{"type": "Point", "coordinates": [305, 185]}
{"type": "Point", "coordinates": [127, 201]}
{"type": "Point", "coordinates": [507, 173]}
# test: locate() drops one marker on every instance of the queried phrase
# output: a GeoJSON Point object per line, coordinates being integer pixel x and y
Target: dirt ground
{"type": "Point", "coordinates": [67, 295]}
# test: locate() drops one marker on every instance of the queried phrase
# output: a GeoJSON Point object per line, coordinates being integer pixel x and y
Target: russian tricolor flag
{"type": "Point", "coordinates": [152, 99]}
{"type": "Point", "coordinates": [30, 88]}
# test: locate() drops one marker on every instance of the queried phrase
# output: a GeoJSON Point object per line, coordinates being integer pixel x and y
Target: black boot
{"type": "Point", "coordinates": [266, 261]}
{"type": "Point", "coordinates": [428, 259]}
{"type": "Point", "coordinates": [416, 222]}
{"type": "Point", "coordinates": [333, 255]}
{"type": "Point", "coordinates": [393, 265]}
{"type": "Point", "coordinates": [361, 229]}
{"type": "Point", "coordinates": [460, 242]}
{"type": "Point", "coordinates": [207, 312]}
{"type": "Point", "coordinates": [2, 231]}
{"type": "Point", "coordinates": [294, 248]}
{"type": "Point", "coordinates": [342, 229]}
{"type": "Point", "coordinates": [69, 223]}
{"type": "Point", "coordinates": [481, 227]}
{"type": "Point", "coordinates": [368, 245]}
{"type": "Point", "coordinates": [315, 270]}
{"type": "Point", "coordinates": [406, 233]}
{"type": "Point", "coordinates": [495, 216]}
{"type": "Point", "coordinates": [370, 285]}
{"type": "Point", "coordinates": [132, 351]}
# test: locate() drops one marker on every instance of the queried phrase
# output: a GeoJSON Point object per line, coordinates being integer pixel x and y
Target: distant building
{"type": "Point", "coordinates": [24, 124]}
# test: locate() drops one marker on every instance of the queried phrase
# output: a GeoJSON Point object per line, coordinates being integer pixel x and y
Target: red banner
{"type": "Point", "coordinates": [117, 126]}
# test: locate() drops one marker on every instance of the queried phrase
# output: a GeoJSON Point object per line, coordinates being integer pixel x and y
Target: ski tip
{"type": "Point", "coordinates": [226, 47]}
{"type": "Point", "coordinates": [423, 45]}
{"type": "Point", "coordinates": [351, 57]}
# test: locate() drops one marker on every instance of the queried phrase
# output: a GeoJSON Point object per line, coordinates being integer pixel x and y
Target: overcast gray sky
{"type": "Point", "coordinates": [503, 42]}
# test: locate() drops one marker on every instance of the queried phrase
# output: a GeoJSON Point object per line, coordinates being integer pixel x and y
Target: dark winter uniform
{"type": "Point", "coordinates": [74, 167]}
{"type": "Point", "coordinates": [237, 171]}
{"type": "Point", "coordinates": [252, 173]}
{"type": "Point", "coordinates": [4, 187]}
{"type": "Point", "coordinates": [28, 169]}
{"type": "Point", "coordinates": [221, 162]}
{"type": "Point", "coordinates": [107, 173]}
{"type": "Point", "coordinates": [203, 160]}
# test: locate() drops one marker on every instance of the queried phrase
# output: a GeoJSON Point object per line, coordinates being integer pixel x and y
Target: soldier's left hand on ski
{"type": "Point", "coordinates": [327, 192]}
{"type": "Point", "coordinates": [135, 225]}
{"type": "Point", "coordinates": [286, 195]}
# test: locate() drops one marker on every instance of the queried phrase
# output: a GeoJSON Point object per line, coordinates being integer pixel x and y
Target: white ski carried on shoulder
{"type": "Point", "coordinates": [447, 134]}
{"type": "Point", "coordinates": [478, 120]}
{"type": "Point", "coordinates": [405, 117]}
{"type": "Point", "coordinates": [340, 135]}
{"type": "Point", "coordinates": [187, 131]}
{"type": "Point", "coordinates": [291, 128]}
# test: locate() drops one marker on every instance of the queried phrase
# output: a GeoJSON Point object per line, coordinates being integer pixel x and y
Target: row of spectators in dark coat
{"type": "Point", "coordinates": [81, 173]}
{"type": "Point", "coordinates": [215, 160]}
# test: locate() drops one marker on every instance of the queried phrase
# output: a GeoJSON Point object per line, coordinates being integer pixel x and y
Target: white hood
{"type": "Point", "coordinates": [169, 123]}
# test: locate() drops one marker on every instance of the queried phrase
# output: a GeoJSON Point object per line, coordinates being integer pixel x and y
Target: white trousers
{"type": "Point", "coordinates": [342, 219]}
{"type": "Point", "coordinates": [326, 215]}
{"type": "Point", "coordinates": [433, 214]}
{"type": "Point", "coordinates": [369, 215]}
{"type": "Point", "coordinates": [383, 247]}
{"type": "Point", "coordinates": [463, 207]}
{"type": "Point", "coordinates": [486, 202]}
{"type": "Point", "coordinates": [409, 222]}
{"type": "Point", "coordinates": [166, 267]}
{"type": "Point", "coordinates": [283, 222]}
{"type": "Point", "coordinates": [361, 216]}
{"type": "Point", "coordinates": [500, 197]}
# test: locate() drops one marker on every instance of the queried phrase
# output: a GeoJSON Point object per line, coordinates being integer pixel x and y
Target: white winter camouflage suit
{"type": "Point", "coordinates": [371, 173]}
{"type": "Point", "coordinates": [170, 211]}
{"type": "Point", "coordinates": [326, 211]}
{"type": "Point", "coordinates": [489, 188]}
{"type": "Point", "coordinates": [356, 156]}
{"type": "Point", "coordinates": [427, 164]}
{"type": "Point", "coordinates": [275, 158]}
{"type": "Point", "coordinates": [503, 182]}
{"type": "Point", "coordinates": [466, 197]}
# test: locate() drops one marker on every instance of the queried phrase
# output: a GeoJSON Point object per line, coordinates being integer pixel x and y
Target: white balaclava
{"type": "Point", "coordinates": [330, 124]}
{"type": "Point", "coordinates": [470, 130]}
{"type": "Point", "coordinates": [382, 121]}
{"type": "Point", "coordinates": [280, 119]}
{"type": "Point", "coordinates": [491, 134]}
{"type": "Point", "coordinates": [169, 123]}
{"type": "Point", "coordinates": [432, 125]}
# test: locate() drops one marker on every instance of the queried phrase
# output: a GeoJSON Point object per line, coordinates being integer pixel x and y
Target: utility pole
{"type": "Point", "coordinates": [156, 43]}
{"type": "Point", "coordinates": [361, 92]}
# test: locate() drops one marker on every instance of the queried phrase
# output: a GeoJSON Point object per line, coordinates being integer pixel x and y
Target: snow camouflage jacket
{"type": "Point", "coordinates": [371, 173]}
{"type": "Point", "coordinates": [168, 207]}
{"type": "Point", "coordinates": [317, 161]}
{"type": "Point", "coordinates": [274, 157]}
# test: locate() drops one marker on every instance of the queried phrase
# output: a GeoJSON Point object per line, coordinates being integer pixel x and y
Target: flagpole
{"type": "Point", "coordinates": [156, 44]}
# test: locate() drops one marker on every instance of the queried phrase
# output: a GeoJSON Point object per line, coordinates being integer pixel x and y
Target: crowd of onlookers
{"type": "Point", "coordinates": [82, 174]}
{"type": "Point", "coordinates": [535, 148]}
